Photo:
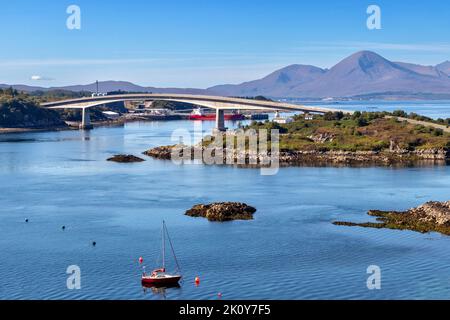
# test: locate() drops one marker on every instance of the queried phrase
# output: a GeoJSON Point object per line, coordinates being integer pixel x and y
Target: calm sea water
{"type": "Point", "coordinates": [290, 251]}
{"type": "Point", "coordinates": [432, 109]}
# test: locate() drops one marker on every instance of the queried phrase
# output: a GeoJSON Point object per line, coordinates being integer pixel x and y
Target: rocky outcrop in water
{"type": "Point", "coordinates": [125, 158]}
{"type": "Point", "coordinates": [222, 211]}
{"type": "Point", "coordinates": [364, 157]}
{"type": "Point", "coordinates": [316, 157]}
{"type": "Point", "coordinates": [429, 217]}
{"type": "Point", "coordinates": [162, 153]}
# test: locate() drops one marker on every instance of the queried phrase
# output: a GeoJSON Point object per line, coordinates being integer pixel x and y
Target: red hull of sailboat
{"type": "Point", "coordinates": [158, 282]}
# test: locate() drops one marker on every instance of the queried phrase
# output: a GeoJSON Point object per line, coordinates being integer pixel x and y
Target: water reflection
{"type": "Point", "coordinates": [160, 291]}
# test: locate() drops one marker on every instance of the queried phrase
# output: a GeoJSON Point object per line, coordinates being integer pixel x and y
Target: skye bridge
{"type": "Point", "coordinates": [220, 104]}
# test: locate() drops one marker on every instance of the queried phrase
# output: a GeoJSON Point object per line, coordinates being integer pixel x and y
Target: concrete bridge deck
{"type": "Point", "coordinates": [213, 102]}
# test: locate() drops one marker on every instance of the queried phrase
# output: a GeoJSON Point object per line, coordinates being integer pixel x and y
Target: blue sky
{"type": "Point", "coordinates": [199, 43]}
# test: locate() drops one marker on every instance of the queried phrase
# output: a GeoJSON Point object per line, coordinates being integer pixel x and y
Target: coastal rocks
{"type": "Point", "coordinates": [125, 158]}
{"type": "Point", "coordinates": [360, 158]}
{"type": "Point", "coordinates": [433, 154]}
{"type": "Point", "coordinates": [311, 157]}
{"type": "Point", "coordinates": [429, 217]}
{"type": "Point", "coordinates": [395, 147]}
{"type": "Point", "coordinates": [162, 153]}
{"type": "Point", "coordinates": [222, 211]}
{"type": "Point", "coordinates": [322, 137]}
{"type": "Point", "coordinates": [437, 213]}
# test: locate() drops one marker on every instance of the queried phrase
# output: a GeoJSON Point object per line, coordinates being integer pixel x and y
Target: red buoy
{"type": "Point", "coordinates": [141, 260]}
{"type": "Point", "coordinates": [197, 281]}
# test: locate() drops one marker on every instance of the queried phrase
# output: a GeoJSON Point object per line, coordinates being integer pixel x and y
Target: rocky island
{"type": "Point", "coordinates": [361, 139]}
{"type": "Point", "coordinates": [429, 217]}
{"type": "Point", "coordinates": [125, 158]}
{"type": "Point", "coordinates": [222, 211]}
{"type": "Point", "coordinates": [161, 153]}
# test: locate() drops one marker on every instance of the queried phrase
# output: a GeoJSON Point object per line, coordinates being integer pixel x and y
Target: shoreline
{"type": "Point", "coordinates": [70, 126]}
{"type": "Point", "coordinates": [313, 158]}
{"type": "Point", "coordinates": [30, 130]}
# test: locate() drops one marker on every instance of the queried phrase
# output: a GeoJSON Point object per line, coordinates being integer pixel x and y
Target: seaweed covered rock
{"type": "Point", "coordinates": [222, 211]}
{"type": "Point", "coordinates": [125, 158]}
{"type": "Point", "coordinates": [429, 217]}
{"type": "Point", "coordinates": [162, 153]}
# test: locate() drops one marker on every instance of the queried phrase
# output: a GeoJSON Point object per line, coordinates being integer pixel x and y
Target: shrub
{"type": "Point", "coordinates": [330, 116]}
{"type": "Point", "coordinates": [361, 122]}
{"type": "Point", "coordinates": [400, 113]}
{"type": "Point", "coordinates": [356, 115]}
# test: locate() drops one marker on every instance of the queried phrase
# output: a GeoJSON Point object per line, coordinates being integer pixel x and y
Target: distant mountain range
{"type": "Point", "coordinates": [105, 86]}
{"type": "Point", "coordinates": [363, 74]}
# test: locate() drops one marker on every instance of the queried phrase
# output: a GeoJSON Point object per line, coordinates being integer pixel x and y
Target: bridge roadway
{"type": "Point", "coordinates": [214, 102]}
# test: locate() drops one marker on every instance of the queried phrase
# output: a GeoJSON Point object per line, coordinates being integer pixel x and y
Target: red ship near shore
{"type": "Point", "coordinates": [199, 114]}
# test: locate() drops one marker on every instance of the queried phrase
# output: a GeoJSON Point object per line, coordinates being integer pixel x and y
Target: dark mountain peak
{"type": "Point", "coordinates": [365, 59]}
{"type": "Point", "coordinates": [366, 54]}
{"type": "Point", "coordinates": [364, 63]}
{"type": "Point", "coordinates": [283, 78]}
{"type": "Point", "coordinates": [277, 83]}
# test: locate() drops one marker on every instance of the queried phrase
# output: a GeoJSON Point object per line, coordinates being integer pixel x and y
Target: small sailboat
{"type": "Point", "coordinates": [160, 277]}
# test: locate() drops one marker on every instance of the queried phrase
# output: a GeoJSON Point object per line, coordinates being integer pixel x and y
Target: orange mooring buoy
{"type": "Point", "coordinates": [197, 281]}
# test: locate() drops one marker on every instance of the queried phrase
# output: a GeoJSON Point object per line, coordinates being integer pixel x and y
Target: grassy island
{"type": "Point", "coordinates": [359, 139]}
{"type": "Point", "coordinates": [366, 131]}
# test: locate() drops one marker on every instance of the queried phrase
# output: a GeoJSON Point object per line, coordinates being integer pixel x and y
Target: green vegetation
{"type": "Point", "coordinates": [57, 94]}
{"type": "Point", "coordinates": [415, 116]}
{"type": "Point", "coordinates": [397, 221]}
{"type": "Point", "coordinates": [259, 98]}
{"type": "Point", "coordinates": [18, 110]}
{"type": "Point", "coordinates": [362, 131]}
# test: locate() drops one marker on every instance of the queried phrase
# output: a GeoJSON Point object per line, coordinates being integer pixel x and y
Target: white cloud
{"type": "Point", "coordinates": [40, 78]}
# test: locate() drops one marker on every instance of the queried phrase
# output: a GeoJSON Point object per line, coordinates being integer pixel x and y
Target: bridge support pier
{"type": "Point", "coordinates": [86, 120]}
{"type": "Point", "coordinates": [220, 121]}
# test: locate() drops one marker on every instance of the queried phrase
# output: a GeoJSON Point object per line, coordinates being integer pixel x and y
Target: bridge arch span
{"type": "Point", "coordinates": [214, 102]}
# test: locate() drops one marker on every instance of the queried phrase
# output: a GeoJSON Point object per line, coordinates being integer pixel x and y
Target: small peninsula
{"type": "Point", "coordinates": [429, 217]}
